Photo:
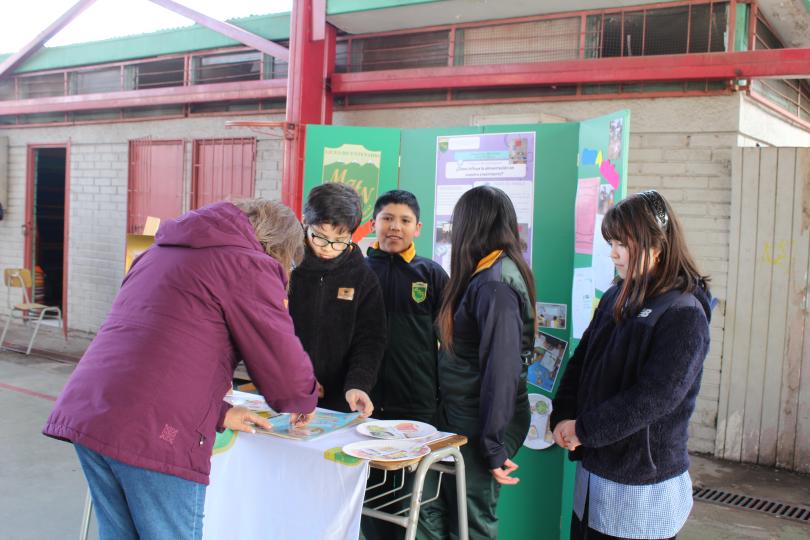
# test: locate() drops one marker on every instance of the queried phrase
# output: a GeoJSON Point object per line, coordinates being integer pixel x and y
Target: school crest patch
{"type": "Point", "coordinates": [419, 291]}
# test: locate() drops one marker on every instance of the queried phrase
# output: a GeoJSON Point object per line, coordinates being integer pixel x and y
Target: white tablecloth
{"type": "Point", "coordinates": [265, 487]}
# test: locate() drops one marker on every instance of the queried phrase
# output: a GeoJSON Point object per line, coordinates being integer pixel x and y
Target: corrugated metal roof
{"type": "Point", "coordinates": [274, 26]}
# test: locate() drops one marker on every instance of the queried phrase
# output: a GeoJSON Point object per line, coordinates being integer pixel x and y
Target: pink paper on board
{"type": "Point", "coordinates": [608, 172]}
{"type": "Point", "coordinates": [585, 214]}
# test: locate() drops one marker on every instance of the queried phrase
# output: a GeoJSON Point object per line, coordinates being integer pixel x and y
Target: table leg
{"type": "Point", "coordinates": [88, 511]}
{"type": "Point", "coordinates": [461, 497]}
{"type": "Point", "coordinates": [431, 462]}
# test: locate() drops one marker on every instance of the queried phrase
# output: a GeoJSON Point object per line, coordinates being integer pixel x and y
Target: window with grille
{"type": "Point", "coordinates": [95, 81]}
{"type": "Point", "coordinates": [156, 74]}
{"type": "Point", "coordinates": [791, 95]}
{"type": "Point", "coordinates": [229, 67]}
{"type": "Point", "coordinates": [224, 169]}
{"type": "Point", "coordinates": [7, 90]}
{"type": "Point", "coordinates": [402, 51]}
{"type": "Point", "coordinates": [155, 181]}
{"type": "Point", "coordinates": [535, 41]}
{"type": "Point", "coordinates": [675, 30]}
{"type": "Point", "coordinates": [37, 86]}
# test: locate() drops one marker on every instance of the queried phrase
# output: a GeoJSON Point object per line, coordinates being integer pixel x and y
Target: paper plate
{"type": "Point", "coordinates": [539, 436]}
{"type": "Point", "coordinates": [396, 429]}
{"type": "Point", "coordinates": [386, 450]}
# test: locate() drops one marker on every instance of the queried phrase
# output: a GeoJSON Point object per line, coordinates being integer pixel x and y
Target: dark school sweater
{"type": "Point", "coordinates": [407, 387]}
{"type": "Point", "coordinates": [632, 385]}
{"type": "Point", "coordinates": [339, 316]}
{"type": "Point", "coordinates": [483, 379]}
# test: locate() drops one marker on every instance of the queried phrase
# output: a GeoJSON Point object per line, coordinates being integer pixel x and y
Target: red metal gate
{"type": "Point", "coordinates": [155, 181]}
{"type": "Point", "coordinates": [223, 169]}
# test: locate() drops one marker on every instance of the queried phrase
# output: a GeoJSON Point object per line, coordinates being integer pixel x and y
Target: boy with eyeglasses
{"type": "Point", "coordinates": [336, 303]}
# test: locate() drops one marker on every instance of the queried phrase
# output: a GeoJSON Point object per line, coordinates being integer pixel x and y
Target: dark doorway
{"type": "Point", "coordinates": [47, 246]}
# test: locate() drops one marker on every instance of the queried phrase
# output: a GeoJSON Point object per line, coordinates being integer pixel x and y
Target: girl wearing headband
{"type": "Point", "coordinates": [623, 406]}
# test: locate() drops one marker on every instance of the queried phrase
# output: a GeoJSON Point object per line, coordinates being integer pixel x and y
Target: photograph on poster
{"type": "Point", "coordinates": [523, 233]}
{"type": "Point", "coordinates": [551, 315]}
{"type": "Point", "coordinates": [441, 244]}
{"type": "Point", "coordinates": [615, 140]}
{"type": "Point", "coordinates": [607, 198]}
{"type": "Point", "coordinates": [518, 150]}
{"type": "Point", "coordinates": [546, 359]}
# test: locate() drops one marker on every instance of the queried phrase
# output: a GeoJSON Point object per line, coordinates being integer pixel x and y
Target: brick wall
{"type": "Point", "coordinates": [269, 166]}
{"type": "Point", "coordinates": [96, 231]}
{"type": "Point", "coordinates": [98, 199]}
{"type": "Point", "coordinates": [11, 239]}
{"type": "Point", "coordinates": [694, 173]}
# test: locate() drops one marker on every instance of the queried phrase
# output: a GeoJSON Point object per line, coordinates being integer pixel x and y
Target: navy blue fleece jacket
{"type": "Point", "coordinates": [631, 386]}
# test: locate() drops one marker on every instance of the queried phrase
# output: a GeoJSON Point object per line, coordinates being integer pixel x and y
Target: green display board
{"type": "Point", "coordinates": [365, 158]}
{"type": "Point", "coordinates": [540, 505]}
{"type": "Point", "coordinates": [563, 154]}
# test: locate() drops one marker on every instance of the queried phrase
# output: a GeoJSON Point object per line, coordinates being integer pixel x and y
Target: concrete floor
{"type": "Point", "coordinates": [42, 489]}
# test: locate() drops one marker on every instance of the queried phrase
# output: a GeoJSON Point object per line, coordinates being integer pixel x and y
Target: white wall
{"type": "Point", "coordinates": [761, 126]}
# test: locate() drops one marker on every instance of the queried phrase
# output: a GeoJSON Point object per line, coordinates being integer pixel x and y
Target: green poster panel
{"type": "Point", "coordinates": [602, 182]}
{"type": "Point", "coordinates": [564, 154]}
{"type": "Point", "coordinates": [540, 505]}
{"type": "Point", "coordinates": [363, 157]}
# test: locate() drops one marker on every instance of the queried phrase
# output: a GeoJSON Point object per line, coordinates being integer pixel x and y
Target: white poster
{"type": "Point", "coordinates": [502, 160]}
{"type": "Point", "coordinates": [603, 267]}
{"type": "Point", "coordinates": [582, 301]}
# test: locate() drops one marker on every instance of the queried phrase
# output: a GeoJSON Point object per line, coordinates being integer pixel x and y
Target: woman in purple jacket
{"type": "Point", "coordinates": [144, 403]}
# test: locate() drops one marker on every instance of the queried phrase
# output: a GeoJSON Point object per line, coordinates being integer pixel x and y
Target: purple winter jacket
{"type": "Point", "coordinates": [149, 390]}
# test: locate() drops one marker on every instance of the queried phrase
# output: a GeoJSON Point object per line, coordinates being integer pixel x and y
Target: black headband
{"type": "Point", "coordinates": [659, 209]}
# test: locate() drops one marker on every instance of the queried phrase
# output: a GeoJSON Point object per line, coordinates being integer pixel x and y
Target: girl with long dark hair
{"type": "Point", "coordinates": [486, 324]}
{"type": "Point", "coordinates": [624, 403]}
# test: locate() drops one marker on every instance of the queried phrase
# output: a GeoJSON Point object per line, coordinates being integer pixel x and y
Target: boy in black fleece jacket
{"type": "Point", "coordinates": [412, 286]}
{"type": "Point", "coordinates": [412, 290]}
{"type": "Point", "coordinates": [336, 303]}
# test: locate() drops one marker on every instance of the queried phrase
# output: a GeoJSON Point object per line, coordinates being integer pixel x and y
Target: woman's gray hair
{"type": "Point", "coordinates": [277, 229]}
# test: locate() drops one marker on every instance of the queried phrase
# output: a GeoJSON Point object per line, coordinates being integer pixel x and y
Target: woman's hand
{"type": "Point", "coordinates": [321, 392]}
{"type": "Point", "coordinates": [501, 474]}
{"type": "Point", "coordinates": [298, 420]}
{"type": "Point", "coordinates": [565, 435]}
{"type": "Point", "coordinates": [243, 419]}
{"type": "Point", "coordinates": [359, 401]}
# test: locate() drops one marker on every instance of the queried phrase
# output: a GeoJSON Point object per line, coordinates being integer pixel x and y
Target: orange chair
{"type": "Point", "coordinates": [20, 278]}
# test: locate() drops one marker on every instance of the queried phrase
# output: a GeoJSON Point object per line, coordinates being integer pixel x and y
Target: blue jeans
{"type": "Point", "coordinates": [132, 502]}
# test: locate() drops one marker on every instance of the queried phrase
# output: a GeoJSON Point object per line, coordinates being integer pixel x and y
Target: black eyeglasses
{"type": "Point", "coordinates": [322, 241]}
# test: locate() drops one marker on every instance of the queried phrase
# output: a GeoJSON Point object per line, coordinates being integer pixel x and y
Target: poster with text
{"type": "Point", "coordinates": [502, 160]}
{"type": "Point", "coordinates": [602, 175]}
